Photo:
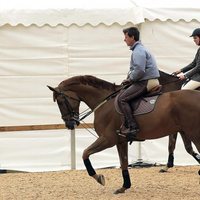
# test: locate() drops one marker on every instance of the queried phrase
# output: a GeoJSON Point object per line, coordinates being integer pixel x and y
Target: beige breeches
{"type": "Point", "coordinates": [191, 85]}
{"type": "Point", "coordinates": [152, 83]}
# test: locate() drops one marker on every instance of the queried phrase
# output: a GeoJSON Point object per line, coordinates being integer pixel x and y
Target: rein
{"type": "Point", "coordinates": [110, 96]}
{"type": "Point", "coordinates": [72, 112]}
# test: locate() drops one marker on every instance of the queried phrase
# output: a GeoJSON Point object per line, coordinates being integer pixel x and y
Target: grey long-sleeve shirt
{"type": "Point", "coordinates": [142, 65]}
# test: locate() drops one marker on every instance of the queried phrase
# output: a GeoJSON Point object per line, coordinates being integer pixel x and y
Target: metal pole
{"type": "Point", "coordinates": [139, 152]}
{"type": "Point", "coordinates": [73, 149]}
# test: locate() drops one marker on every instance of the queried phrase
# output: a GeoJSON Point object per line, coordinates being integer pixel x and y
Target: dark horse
{"type": "Point", "coordinates": [171, 83]}
{"type": "Point", "coordinates": [174, 112]}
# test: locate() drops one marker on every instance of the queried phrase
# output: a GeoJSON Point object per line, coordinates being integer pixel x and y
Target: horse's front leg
{"type": "Point", "coordinates": [100, 144]}
{"type": "Point", "coordinates": [123, 156]}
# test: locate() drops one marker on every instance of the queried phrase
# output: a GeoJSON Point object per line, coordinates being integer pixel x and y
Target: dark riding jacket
{"type": "Point", "coordinates": [193, 69]}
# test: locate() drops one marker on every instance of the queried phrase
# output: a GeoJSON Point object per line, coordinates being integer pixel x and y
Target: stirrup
{"type": "Point", "coordinates": [125, 130]}
{"type": "Point", "coordinates": [132, 134]}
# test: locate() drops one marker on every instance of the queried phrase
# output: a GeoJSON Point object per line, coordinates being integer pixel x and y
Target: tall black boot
{"type": "Point", "coordinates": [132, 134]}
{"type": "Point", "coordinates": [130, 128]}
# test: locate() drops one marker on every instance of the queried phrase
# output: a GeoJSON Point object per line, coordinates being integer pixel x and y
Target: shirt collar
{"type": "Point", "coordinates": [135, 44]}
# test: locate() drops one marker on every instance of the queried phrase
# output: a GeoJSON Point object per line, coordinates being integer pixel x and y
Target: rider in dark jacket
{"type": "Point", "coordinates": [192, 71]}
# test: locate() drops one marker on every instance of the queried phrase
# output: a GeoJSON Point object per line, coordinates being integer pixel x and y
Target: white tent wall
{"type": "Point", "coordinates": [30, 58]}
{"type": "Point", "coordinates": [33, 57]}
{"type": "Point", "coordinates": [170, 42]}
{"type": "Point", "coordinates": [47, 51]}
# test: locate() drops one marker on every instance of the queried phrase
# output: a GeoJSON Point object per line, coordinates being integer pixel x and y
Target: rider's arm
{"type": "Point", "coordinates": [137, 65]}
{"type": "Point", "coordinates": [194, 67]}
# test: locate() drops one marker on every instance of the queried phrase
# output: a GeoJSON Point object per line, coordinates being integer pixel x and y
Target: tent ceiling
{"type": "Point", "coordinates": [94, 12]}
{"type": "Point", "coordinates": [79, 12]}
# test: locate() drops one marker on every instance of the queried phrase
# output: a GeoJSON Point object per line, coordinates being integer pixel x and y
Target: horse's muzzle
{"type": "Point", "coordinates": [71, 124]}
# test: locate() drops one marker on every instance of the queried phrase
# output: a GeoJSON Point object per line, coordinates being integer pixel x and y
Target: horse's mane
{"type": "Point", "coordinates": [87, 80]}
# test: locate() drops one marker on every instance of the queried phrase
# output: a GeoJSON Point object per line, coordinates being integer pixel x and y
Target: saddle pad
{"type": "Point", "coordinates": [146, 105]}
{"type": "Point", "coordinates": [140, 106]}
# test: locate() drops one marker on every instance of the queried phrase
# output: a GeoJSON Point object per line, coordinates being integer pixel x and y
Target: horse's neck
{"type": "Point", "coordinates": [171, 86]}
{"type": "Point", "coordinates": [92, 96]}
{"type": "Point", "coordinates": [166, 78]}
{"type": "Point", "coordinates": [169, 83]}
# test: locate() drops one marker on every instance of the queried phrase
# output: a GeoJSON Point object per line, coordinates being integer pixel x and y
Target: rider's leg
{"type": "Point", "coordinates": [191, 85]}
{"type": "Point", "coordinates": [130, 125]}
{"type": "Point", "coordinates": [152, 83]}
{"type": "Point", "coordinates": [133, 91]}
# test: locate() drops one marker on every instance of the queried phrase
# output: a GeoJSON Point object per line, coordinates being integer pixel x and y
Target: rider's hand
{"type": "Point", "coordinates": [181, 76]}
{"type": "Point", "coordinates": [126, 82]}
{"type": "Point", "coordinates": [176, 72]}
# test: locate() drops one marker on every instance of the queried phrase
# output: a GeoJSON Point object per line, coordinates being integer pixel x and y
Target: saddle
{"type": "Point", "coordinates": [143, 104]}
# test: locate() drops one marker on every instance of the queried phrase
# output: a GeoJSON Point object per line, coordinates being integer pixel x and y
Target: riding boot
{"type": "Point", "coordinates": [131, 131]}
{"type": "Point", "coordinates": [129, 127]}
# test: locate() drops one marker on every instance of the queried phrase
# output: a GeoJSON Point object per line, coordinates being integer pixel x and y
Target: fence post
{"type": "Point", "coordinates": [139, 158]}
{"type": "Point", "coordinates": [73, 149]}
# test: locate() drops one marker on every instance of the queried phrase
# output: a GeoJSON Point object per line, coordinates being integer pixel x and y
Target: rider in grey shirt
{"type": "Point", "coordinates": [142, 76]}
{"type": "Point", "coordinates": [140, 68]}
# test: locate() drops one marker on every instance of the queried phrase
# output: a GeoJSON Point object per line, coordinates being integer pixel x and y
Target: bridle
{"type": "Point", "coordinates": [66, 109]}
{"type": "Point", "coordinates": [75, 115]}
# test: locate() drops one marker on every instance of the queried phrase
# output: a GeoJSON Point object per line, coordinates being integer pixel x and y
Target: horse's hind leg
{"type": "Point", "coordinates": [100, 144]}
{"type": "Point", "coordinates": [123, 156]}
{"type": "Point", "coordinates": [195, 138]}
{"type": "Point", "coordinates": [188, 147]}
{"type": "Point", "coordinates": [171, 148]}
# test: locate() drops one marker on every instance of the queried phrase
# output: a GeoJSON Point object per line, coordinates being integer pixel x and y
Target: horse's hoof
{"type": "Point", "coordinates": [163, 170]}
{"type": "Point", "coordinates": [121, 190]}
{"type": "Point", "coordinates": [101, 179]}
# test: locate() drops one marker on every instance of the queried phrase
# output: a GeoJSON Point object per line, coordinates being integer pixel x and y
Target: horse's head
{"type": "Point", "coordinates": [68, 103]}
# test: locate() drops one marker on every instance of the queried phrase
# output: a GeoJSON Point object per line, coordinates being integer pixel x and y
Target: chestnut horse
{"type": "Point", "coordinates": [171, 83]}
{"type": "Point", "coordinates": [174, 112]}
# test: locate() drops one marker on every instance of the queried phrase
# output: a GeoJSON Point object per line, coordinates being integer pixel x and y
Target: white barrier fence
{"type": "Point", "coordinates": [60, 149]}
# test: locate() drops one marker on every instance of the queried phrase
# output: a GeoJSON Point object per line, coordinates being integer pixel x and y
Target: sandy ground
{"type": "Point", "coordinates": [180, 183]}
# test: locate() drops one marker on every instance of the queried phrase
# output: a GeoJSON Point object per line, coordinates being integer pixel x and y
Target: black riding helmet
{"type": "Point", "coordinates": [196, 32]}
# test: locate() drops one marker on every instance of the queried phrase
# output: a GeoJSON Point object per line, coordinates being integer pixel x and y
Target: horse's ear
{"type": "Point", "coordinates": [51, 88]}
{"type": "Point", "coordinates": [55, 92]}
